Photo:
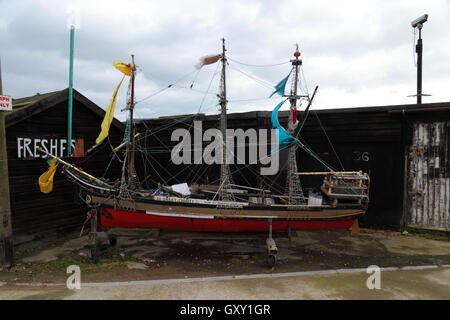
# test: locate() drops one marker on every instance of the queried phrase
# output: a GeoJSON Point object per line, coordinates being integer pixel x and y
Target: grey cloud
{"type": "Point", "coordinates": [257, 32]}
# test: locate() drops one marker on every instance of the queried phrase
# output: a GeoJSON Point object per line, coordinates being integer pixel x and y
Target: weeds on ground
{"type": "Point", "coordinates": [432, 236]}
{"type": "Point", "coordinates": [107, 260]}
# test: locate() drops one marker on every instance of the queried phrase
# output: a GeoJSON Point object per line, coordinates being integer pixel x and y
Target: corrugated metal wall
{"type": "Point", "coordinates": [428, 178]}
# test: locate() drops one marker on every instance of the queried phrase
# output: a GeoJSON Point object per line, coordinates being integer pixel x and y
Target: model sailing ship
{"type": "Point", "coordinates": [343, 198]}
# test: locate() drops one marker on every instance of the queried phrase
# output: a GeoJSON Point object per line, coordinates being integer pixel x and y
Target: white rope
{"type": "Point", "coordinates": [260, 65]}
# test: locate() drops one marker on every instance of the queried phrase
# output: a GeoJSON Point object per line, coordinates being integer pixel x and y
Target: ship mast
{"type": "Point", "coordinates": [131, 149]}
{"type": "Point", "coordinates": [225, 176]}
{"type": "Point", "coordinates": [129, 153]}
{"type": "Point", "coordinates": [293, 185]}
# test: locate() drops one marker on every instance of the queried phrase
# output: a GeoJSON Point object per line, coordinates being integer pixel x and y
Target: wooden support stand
{"type": "Point", "coordinates": [355, 228]}
{"type": "Point", "coordinates": [272, 249]}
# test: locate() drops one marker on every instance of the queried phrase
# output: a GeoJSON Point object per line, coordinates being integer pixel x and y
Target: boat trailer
{"type": "Point", "coordinates": [96, 246]}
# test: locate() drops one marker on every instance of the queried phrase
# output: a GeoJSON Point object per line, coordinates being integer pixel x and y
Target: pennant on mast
{"type": "Point", "coordinates": [280, 87]}
{"type": "Point", "coordinates": [109, 116]}
{"type": "Point", "coordinates": [210, 59]}
{"type": "Point", "coordinates": [126, 69]}
{"type": "Point", "coordinates": [284, 138]}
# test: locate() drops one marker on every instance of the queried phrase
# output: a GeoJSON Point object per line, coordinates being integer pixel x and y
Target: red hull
{"type": "Point", "coordinates": [127, 219]}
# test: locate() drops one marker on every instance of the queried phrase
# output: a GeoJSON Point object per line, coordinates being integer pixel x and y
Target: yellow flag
{"type": "Point", "coordinates": [124, 68]}
{"type": "Point", "coordinates": [109, 116]}
{"type": "Point", "coordinates": [46, 179]}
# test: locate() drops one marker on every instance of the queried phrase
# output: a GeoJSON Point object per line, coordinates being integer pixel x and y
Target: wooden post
{"type": "Point", "coordinates": [6, 244]}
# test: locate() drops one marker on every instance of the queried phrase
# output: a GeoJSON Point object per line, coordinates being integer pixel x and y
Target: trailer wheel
{"type": "Point", "coordinates": [93, 257]}
{"type": "Point", "coordinates": [112, 240]}
{"type": "Point", "coordinates": [272, 260]}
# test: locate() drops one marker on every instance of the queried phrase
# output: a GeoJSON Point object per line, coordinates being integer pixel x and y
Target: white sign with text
{"type": "Point", "coordinates": [28, 147]}
{"type": "Point", "coordinates": [5, 103]}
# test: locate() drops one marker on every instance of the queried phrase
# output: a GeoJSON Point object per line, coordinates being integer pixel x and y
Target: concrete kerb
{"type": "Point", "coordinates": [227, 278]}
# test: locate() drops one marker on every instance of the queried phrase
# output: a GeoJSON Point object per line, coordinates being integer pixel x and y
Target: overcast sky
{"type": "Point", "coordinates": [359, 53]}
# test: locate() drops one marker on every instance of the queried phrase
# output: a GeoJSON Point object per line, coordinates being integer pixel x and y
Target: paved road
{"type": "Point", "coordinates": [396, 283]}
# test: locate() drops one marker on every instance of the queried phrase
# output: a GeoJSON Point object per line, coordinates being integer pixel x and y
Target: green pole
{"type": "Point", "coordinates": [69, 119]}
{"type": "Point", "coordinates": [6, 244]}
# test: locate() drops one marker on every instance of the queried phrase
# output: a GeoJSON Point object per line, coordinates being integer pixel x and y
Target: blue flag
{"type": "Point", "coordinates": [284, 138]}
{"type": "Point", "coordinates": [279, 88]}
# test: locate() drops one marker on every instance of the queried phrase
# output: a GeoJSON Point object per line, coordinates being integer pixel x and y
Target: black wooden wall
{"type": "Point", "coordinates": [371, 139]}
{"type": "Point", "coordinates": [367, 140]}
{"type": "Point", "coordinates": [37, 214]}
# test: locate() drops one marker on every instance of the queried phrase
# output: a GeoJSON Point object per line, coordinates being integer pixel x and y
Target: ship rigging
{"type": "Point", "coordinates": [225, 206]}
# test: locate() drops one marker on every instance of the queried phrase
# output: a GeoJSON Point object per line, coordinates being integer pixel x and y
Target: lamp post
{"type": "Point", "coordinates": [418, 23]}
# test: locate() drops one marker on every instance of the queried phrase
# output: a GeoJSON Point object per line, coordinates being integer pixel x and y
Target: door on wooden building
{"type": "Point", "coordinates": [428, 176]}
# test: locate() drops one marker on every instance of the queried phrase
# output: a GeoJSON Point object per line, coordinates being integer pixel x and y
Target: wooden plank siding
{"type": "Point", "coordinates": [35, 214]}
{"type": "Point", "coordinates": [372, 139]}
{"type": "Point", "coordinates": [429, 177]}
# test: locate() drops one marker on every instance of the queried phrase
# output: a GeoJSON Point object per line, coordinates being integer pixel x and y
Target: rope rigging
{"type": "Point", "coordinates": [262, 82]}
{"type": "Point", "coordinates": [165, 88]}
{"type": "Point", "coordinates": [260, 65]}
{"type": "Point", "coordinates": [174, 84]}
{"type": "Point", "coordinates": [197, 172]}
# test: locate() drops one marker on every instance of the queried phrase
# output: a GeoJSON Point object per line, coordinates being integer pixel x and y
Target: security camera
{"type": "Point", "coordinates": [419, 21]}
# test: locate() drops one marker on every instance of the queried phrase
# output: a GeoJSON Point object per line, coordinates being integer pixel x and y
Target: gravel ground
{"type": "Point", "coordinates": [143, 255]}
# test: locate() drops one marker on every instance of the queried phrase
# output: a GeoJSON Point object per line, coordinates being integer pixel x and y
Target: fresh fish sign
{"type": "Point", "coordinates": [28, 147]}
{"type": "Point", "coordinates": [5, 103]}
